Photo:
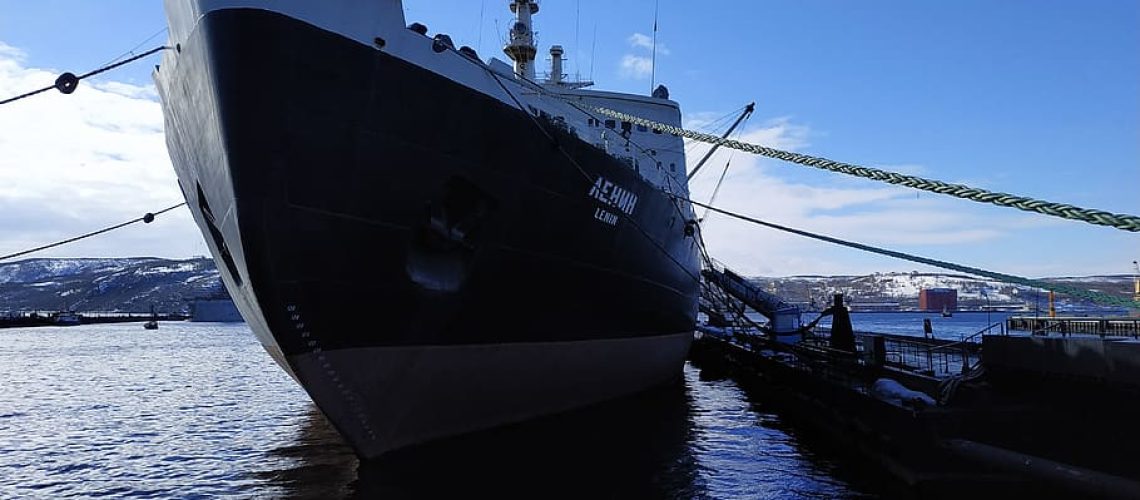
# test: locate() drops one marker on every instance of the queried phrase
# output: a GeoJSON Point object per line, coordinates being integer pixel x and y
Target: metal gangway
{"type": "Point", "coordinates": [783, 318]}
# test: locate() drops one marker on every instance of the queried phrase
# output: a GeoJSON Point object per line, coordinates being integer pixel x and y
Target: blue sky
{"type": "Point", "coordinates": [1040, 98]}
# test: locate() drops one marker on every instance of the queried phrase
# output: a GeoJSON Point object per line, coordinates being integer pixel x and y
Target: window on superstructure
{"type": "Point", "coordinates": [611, 124]}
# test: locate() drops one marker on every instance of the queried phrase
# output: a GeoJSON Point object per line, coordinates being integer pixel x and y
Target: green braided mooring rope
{"type": "Point", "coordinates": [1091, 216]}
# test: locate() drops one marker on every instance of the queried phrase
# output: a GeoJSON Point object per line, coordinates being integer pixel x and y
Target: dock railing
{"type": "Point", "coordinates": [928, 356]}
{"type": "Point", "coordinates": [1105, 327]}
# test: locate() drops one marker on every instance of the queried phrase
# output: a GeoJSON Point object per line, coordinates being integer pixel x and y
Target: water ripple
{"type": "Point", "coordinates": [200, 411]}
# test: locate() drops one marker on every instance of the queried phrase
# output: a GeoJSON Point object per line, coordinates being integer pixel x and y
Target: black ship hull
{"type": "Point", "coordinates": [424, 259]}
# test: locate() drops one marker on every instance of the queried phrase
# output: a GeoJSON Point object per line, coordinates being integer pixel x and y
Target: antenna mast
{"type": "Point", "coordinates": [577, 33]}
{"type": "Point", "coordinates": [482, 8]}
{"type": "Point", "coordinates": [593, 50]}
{"type": "Point", "coordinates": [653, 63]}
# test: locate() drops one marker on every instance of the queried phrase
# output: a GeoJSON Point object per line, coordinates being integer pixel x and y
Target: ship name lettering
{"type": "Point", "coordinates": [614, 195]}
{"type": "Point", "coordinates": [606, 216]}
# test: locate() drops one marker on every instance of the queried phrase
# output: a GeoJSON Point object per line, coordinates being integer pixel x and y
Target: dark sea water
{"type": "Point", "coordinates": [200, 411]}
{"type": "Point", "coordinates": [955, 327]}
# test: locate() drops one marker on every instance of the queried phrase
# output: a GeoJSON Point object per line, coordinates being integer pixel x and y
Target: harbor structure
{"type": "Point", "coordinates": [939, 415]}
{"type": "Point", "coordinates": [938, 299]}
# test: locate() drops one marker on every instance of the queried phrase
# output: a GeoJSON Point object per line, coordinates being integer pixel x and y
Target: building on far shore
{"type": "Point", "coordinates": [938, 299]}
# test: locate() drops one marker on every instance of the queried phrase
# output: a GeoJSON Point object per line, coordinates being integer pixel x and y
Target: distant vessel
{"type": "Point", "coordinates": [152, 324]}
{"type": "Point", "coordinates": [517, 255]}
{"type": "Point", "coordinates": [66, 318]}
{"type": "Point", "coordinates": [946, 312]}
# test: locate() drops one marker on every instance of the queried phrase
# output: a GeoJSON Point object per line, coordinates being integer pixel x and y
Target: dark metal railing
{"type": "Point", "coordinates": [1105, 327]}
{"type": "Point", "coordinates": [932, 357]}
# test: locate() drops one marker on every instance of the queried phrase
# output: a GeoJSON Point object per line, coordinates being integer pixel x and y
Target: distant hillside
{"type": "Point", "coordinates": [132, 285]}
{"type": "Point", "coordinates": [903, 289]}
{"type": "Point", "coordinates": [129, 285]}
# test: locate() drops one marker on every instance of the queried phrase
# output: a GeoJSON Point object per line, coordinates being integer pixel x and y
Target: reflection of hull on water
{"type": "Point", "coordinates": [321, 465]}
{"type": "Point", "coordinates": [632, 448]}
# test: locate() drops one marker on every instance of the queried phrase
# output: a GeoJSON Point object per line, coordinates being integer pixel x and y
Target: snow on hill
{"type": "Point", "coordinates": [40, 269]}
{"type": "Point", "coordinates": [904, 288]}
{"type": "Point", "coordinates": [130, 284]}
{"type": "Point", "coordinates": [133, 284]}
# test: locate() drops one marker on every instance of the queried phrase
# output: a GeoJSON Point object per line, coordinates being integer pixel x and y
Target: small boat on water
{"type": "Point", "coordinates": [66, 318]}
{"type": "Point", "coordinates": [152, 324]}
{"type": "Point", "coordinates": [946, 313]}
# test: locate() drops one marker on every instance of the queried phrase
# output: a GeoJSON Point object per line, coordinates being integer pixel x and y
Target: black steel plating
{"type": "Point", "coordinates": [398, 207]}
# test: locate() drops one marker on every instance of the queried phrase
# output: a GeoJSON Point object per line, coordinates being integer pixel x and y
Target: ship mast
{"type": "Point", "coordinates": [521, 47]}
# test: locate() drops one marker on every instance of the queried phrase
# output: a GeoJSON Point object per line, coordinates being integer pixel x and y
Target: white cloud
{"type": "Point", "coordinates": [636, 67]}
{"type": "Point", "coordinates": [128, 90]}
{"type": "Point", "coordinates": [845, 208]}
{"type": "Point", "coordinates": [10, 55]}
{"type": "Point", "coordinates": [640, 67]}
{"type": "Point", "coordinates": [74, 163]}
{"type": "Point", "coordinates": [638, 40]}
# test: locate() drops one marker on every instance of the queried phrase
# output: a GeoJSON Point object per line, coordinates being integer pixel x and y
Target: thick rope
{"type": "Point", "coordinates": [1091, 216]}
{"type": "Point", "coordinates": [147, 218]}
{"type": "Point", "coordinates": [1096, 297]}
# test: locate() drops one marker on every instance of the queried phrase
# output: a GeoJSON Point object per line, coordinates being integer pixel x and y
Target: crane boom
{"type": "Point", "coordinates": [747, 111]}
